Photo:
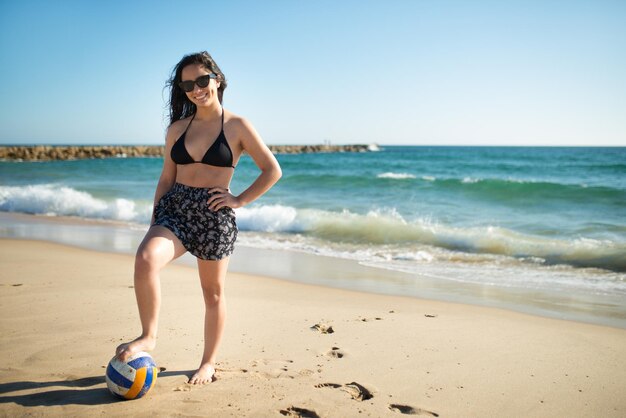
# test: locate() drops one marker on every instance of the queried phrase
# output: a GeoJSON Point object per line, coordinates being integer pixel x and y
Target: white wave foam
{"type": "Point", "coordinates": [470, 180]}
{"type": "Point", "coordinates": [396, 176]}
{"type": "Point", "coordinates": [388, 227]}
{"type": "Point", "coordinates": [376, 228]}
{"type": "Point", "coordinates": [269, 218]}
{"type": "Point", "coordinates": [50, 199]}
{"type": "Point", "coordinates": [421, 255]}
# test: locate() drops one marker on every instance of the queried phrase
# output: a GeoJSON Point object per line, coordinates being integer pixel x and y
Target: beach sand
{"type": "Point", "coordinates": [63, 310]}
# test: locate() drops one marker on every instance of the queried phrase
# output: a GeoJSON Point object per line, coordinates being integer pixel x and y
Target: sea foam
{"type": "Point", "coordinates": [381, 227]}
{"type": "Point", "coordinates": [396, 176]}
{"type": "Point", "coordinates": [47, 199]}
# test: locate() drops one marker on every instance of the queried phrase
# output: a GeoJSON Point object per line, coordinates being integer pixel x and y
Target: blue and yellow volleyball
{"type": "Point", "coordinates": [131, 379]}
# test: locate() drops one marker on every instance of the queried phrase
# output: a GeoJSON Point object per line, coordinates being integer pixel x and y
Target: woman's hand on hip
{"type": "Point", "coordinates": [222, 198]}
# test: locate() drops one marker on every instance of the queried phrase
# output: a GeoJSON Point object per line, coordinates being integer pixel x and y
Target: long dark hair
{"type": "Point", "coordinates": [180, 106]}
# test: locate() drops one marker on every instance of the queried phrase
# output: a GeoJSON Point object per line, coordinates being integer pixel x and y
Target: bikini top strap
{"type": "Point", "coordinates": [231, 153]}
{"type": "Point", "coordinates": [189, 124]}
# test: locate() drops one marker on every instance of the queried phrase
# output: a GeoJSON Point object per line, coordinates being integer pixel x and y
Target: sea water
{"type": "Point", "coordinates": [545, 218]}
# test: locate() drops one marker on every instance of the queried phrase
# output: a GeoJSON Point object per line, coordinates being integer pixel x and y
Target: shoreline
{"type": "Point", "coordinates": [64, 310]}
{"type": "Point", "coordinates": [331, 272]}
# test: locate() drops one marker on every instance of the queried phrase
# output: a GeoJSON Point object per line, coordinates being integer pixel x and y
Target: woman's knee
{"type": "Point", "coordinates": [213, 295]}
{"type": "Point", "coordinates": [147, 259]}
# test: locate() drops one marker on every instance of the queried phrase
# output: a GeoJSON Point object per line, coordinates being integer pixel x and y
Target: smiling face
{"type": "Point", "coordinates": [200, 96]}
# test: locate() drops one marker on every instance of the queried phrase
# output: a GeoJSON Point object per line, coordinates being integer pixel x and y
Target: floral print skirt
{"type": "Point", "coordinates": [207, 234]}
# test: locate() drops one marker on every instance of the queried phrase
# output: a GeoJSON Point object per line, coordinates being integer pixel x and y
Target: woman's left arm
{"type": "Point", "coordinates": [251, 143]}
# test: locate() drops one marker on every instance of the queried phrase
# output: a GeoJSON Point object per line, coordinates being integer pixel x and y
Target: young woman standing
{"type": "Point", "coordinates": [193, 205]}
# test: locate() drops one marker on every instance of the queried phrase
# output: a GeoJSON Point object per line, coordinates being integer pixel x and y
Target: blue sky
{"type": "Point", "coordinates": [421, 72]}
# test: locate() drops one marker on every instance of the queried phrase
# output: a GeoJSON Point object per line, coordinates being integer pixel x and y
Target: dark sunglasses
{"type": "Point", "coordinates": [201, 81]}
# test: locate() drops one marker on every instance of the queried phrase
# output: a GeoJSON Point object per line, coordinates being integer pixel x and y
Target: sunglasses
{"type": "Point", "coordinates": [201, 81]}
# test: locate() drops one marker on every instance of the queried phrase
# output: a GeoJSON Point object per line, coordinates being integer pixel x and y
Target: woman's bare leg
{"type": "Point", "coordinates": [212, 279]}
{"type": "Point", "coordinates": [159, 247]}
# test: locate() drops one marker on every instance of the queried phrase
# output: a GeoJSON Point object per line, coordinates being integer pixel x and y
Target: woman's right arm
{"type": "Point", "coordinates": [168, 174]}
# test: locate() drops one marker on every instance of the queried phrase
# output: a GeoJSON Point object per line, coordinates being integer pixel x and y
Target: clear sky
{"type": "Point", "coordinates": [414, 72]}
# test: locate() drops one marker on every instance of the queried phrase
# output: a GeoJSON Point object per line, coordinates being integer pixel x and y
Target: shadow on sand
{"type": "Point", "coordinates": [75, 395]}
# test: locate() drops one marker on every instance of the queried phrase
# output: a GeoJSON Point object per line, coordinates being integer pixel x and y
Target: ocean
{"type": "Point", "coordinates": [542, 218]}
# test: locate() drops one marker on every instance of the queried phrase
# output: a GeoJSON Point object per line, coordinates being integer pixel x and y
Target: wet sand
{"type": "Point", "coordinates": [295, 266]}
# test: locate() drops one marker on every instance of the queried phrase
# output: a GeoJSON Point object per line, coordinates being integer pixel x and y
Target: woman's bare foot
{"type": "Point", "coordinates": [124, 351]}
{"type": "Point", "coordinates": [204, 375]}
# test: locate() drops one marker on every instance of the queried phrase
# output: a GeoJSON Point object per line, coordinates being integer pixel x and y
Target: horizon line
{"type": "Point", "coordinates": [60, 144]}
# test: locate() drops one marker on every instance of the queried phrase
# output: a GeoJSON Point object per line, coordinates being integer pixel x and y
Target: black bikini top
{"type": "Point", "coordinates": [219, 154]}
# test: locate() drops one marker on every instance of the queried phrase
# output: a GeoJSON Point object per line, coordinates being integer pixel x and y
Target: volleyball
{"type": "Point", "coordinates": [131, 379]}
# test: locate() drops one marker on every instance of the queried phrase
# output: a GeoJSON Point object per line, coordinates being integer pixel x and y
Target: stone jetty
{"type": "Point", "coordinates": [60, 152]}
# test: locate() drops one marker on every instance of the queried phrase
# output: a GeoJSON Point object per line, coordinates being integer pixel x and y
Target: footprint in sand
{"type": "Point", "coordinates": [323, 328]}
{"type": "Point", "coordinates": [294, 411]}
{"type": "Point", "coordinates": [409, 410]}
{"type": "Point", "coordinates": [273, 368]}
{"type": "Point", "coordinates": [235, 370]}
{"type": "Point", "coordinates": [335, 352]}
{"type": "Point", "coordinates": [231, 372]}
{"type": "Point", "coordinates": [369, 319]}
{"type": "Point", "coordinates": [357, 391]}
{"type": "Point", "coordinates": [328, 385]}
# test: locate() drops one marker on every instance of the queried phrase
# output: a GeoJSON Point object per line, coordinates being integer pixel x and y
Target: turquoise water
{"type": "Point", "coordinates": [506, 216]}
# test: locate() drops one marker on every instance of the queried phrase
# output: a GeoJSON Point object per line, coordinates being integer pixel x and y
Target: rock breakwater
{"type": "Point", "coordinates": [60, 152]}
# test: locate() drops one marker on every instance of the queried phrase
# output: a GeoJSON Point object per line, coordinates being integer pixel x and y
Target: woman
{"type": "Point", "coordinates": [193, 205]}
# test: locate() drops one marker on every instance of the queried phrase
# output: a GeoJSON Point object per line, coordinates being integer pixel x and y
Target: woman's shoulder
{"type": "Point", "coordinates": [180, 123]}
{"type": "Point", "coordinates": [236, 123]}
{"type": "Point", "coordinates": [176, 128]}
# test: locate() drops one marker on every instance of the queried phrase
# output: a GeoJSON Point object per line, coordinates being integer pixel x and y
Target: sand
{"type": "Point", "coordinates": [63, 310]}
